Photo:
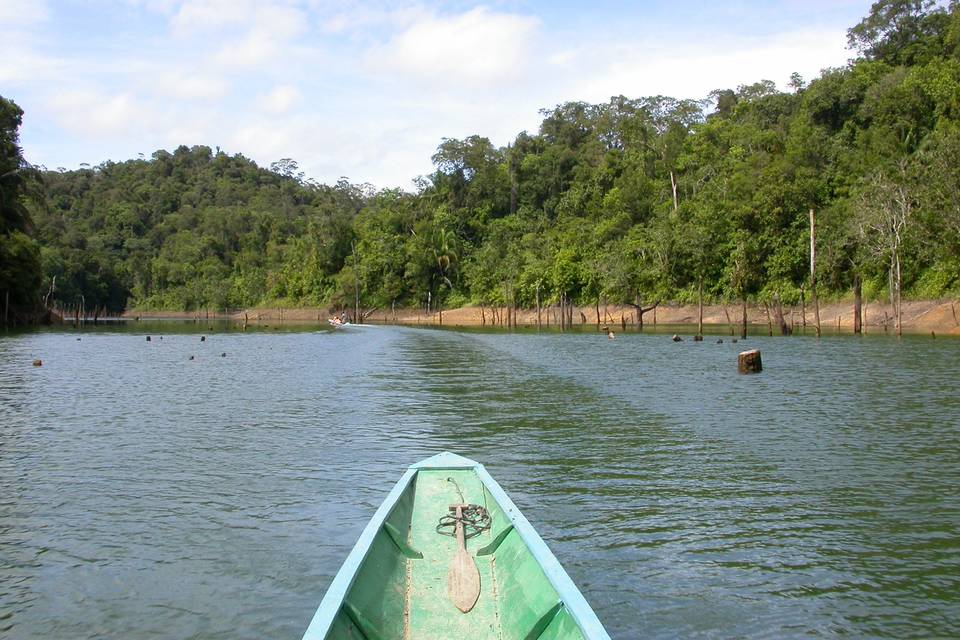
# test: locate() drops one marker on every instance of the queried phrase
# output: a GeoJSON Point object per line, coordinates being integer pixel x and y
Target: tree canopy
{"type": "Point", "coordinates": [631, 200]}
{"type": "Point", "coordinates": [20, 277]}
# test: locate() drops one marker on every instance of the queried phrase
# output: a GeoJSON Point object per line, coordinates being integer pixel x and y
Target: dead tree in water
{"type": "Point", "coordinates": [743, 326]}
{"type": "Point", "coordinates": [700, 307]}
{"type": "Point", "coordinates": [857, 305]}
{"type": "Point", "coordinates": [813, 269]}
{"type": "Point", "coordinates": [538, 305]}
{"type": "Point", "coordinates": [729, 321]}
{"type": "Point", "coordinates": [642, 310]}
{"type": "Point", "coordinates": [785, 329]}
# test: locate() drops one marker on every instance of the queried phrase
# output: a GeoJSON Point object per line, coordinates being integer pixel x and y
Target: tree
{"type": "Point", "coordinates": [887, 205]}
{"type": "Point", "coordinates": [900, 31]}
{"type": "Point", "coordinates": [20, 275]}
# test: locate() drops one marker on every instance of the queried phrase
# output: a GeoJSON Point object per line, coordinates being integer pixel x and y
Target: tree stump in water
{"type": "Point", "coordinates": [749, 362]}
{"type": "Point", "coordinates": [676, 338]}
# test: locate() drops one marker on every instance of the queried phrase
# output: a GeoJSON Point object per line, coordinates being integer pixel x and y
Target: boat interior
{"type": "Point", "coordinates": [401, 588]}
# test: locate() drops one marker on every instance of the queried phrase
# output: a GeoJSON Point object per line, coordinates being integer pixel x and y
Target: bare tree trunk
{"type": "Point", "coordinates": [803, 308]}
{"type": "Point", "coordinates": [356, 288]}
{"type": "Point", "coordinates": [778, 314]}
{"type": "Point", "coordinates": [813, 269]}
{"type": "Point", "coordinates": [538, 306]}
{"type": "Point", "coordinates": [766, 307]}
{"type": "Point", "coordinates": [743, 318]}
{"type": "Point", "coordinates": [513, 182]}
{"type": "Point", "coordinates": [673, 186]}
{"type": "Point", "coordinates": [598, 314]}
{"type": "Point", "coordinates": [642, 310]}
{"type": "Point", "coordinates": [729, 320]}
{"type": "Point", "coordinates": [700, 307]}
{"type": "Point", "coordinates": [857, 305]}
{"type": "Point", "coordinates": [899, 302]}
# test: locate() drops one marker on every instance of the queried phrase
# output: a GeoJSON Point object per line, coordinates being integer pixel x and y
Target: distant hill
{"type": "Point", "coordinates": [630, 201]}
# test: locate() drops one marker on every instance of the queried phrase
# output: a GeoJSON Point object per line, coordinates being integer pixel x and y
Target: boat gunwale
{"type": "Point", "coordinates": [571, 597]}
{"type": "Point", "coordinates": [568, 593]}
{"type": "Point", "coordinates": [337, 591]}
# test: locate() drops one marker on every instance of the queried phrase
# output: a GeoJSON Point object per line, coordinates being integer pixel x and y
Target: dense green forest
{"type": "Point", "coordinates": [20, 277]}
{"type": "Point", "coordinates": [636, 200]}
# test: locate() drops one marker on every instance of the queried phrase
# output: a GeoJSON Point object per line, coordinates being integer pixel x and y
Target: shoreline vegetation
{"type": "Point", "coordinates": [941, 317]}
{"type": "Point", "coordinates": [846, 186]}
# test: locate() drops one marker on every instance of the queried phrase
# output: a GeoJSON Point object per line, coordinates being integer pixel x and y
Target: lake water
{"type": "Point", "coordinates": [147, 495]}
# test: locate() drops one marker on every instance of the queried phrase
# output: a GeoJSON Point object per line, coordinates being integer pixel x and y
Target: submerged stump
{"type": "Point", "coordinates": [749, 362]}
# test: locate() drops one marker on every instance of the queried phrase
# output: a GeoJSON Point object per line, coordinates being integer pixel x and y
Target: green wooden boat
{"type": "Point", "coordinates": [448, 555]}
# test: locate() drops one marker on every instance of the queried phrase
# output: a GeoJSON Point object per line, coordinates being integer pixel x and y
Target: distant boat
{"type": "Point", "coordinates": [336, 323]}
{"type": "Point", "coordinates": [448, 555]}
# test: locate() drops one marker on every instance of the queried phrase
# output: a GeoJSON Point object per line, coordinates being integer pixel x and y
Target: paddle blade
{"type": "Point", "coordinates": [463, 581]}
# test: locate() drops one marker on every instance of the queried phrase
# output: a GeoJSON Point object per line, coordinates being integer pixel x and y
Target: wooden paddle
{"type": "Point", "coordinates": [463, 577]}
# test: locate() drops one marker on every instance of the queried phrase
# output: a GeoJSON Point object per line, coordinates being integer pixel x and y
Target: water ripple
{"type": "Point", "coordinates": [147, 494]}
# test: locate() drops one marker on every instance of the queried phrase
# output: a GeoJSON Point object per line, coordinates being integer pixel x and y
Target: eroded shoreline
{"type": "Point", "coordinates": [919, 316]}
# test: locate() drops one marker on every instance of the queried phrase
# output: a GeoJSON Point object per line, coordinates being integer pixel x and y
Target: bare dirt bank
{"type": "Point", "coordinates": [919, 316]}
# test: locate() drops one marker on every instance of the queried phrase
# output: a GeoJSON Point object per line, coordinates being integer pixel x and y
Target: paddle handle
{"type": "Point", "coordinates": [461, 540]}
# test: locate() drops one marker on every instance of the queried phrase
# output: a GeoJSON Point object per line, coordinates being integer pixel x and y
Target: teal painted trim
{"type": "Point", "coordinates": [541, 625]}
{"type": "Point", "coordinates": [337, 591]}
{"type": "Point", "coordinates": [397, 537]}
{"type": "Point", "coordinates": [490, 548]}
{"type": "Point", "coordinates": [572, 599]}
{"type": "Point", "coordinates": [366, 627]}
{"type": "Point", "coordinates": [446, 460]}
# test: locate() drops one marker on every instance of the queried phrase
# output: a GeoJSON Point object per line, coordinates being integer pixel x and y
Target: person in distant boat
{"type": "Point", "coordinates": [344, 318]}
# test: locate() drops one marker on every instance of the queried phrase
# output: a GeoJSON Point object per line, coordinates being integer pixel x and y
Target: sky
{"type": "Point", "coordinates": [367, 90]}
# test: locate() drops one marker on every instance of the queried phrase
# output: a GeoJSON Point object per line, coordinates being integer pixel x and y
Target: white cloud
{"type": "Point", "coordinates": [199, 16]}
{"type": "Point", "coordinates": [692, 72]}
{"type": "Point", "coordinates": [22, 13]}
{"type": "Point", "coordinates": [20, 64]}
{"type": "Point", "coordinates": [92, 115]}
{"type": "Point", "coordinates": [362, 88]}
{"type": "Point", "coordinates": [20, 23]}
{"type": "Point", "coordinates": [244, 33]}
{"type": "Point", "coordinates": [479, 46]}
{"type": "Point", "coordinates": [181, 85]}
{"type": "Point", "coordinates": [270, 32]}
{"type": "Point", "coordinates": [280, 99]}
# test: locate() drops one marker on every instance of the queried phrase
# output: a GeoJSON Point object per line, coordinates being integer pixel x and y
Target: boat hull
{"type": "Point", "coordinates": [395, 582]}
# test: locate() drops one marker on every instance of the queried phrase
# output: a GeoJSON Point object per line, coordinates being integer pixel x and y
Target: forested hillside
{"type": "Point", "coordinates": [19, 254]}
{"type": "Point", "coordinates": [631, 201]}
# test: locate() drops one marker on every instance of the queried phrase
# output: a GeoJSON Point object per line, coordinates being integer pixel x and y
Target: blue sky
{"type": "Point", "coordinates": [367, 90]}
